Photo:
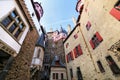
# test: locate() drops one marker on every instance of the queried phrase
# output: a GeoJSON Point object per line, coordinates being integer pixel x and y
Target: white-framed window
{"type": "Point", "coordinates": [13, 24]}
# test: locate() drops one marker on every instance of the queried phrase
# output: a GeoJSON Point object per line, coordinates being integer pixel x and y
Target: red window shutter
{"type": "Point", "coordinates": [67, 58]}
{"type": "Point", "coordinates": [71, 55]}
{"type": "Point", "coordinates": [98, 36]}
{"type": "Point", "coordinates": [115, 13]}
{"type": "Point", "coordinates": [75, 53]}
{"type": "Point", "coordinates": [91, 43]}
{"type": "Point", "coordinates": [80, 50]}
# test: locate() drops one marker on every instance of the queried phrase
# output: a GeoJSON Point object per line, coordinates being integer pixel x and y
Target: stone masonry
{"type": "Point", "coordinates": [20, 69]}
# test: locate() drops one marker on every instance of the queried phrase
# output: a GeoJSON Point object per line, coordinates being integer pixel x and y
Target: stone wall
{"type": "Point", "coordinates": [20, 69]}
{"type": "Point", "coordinates": [97, 12]}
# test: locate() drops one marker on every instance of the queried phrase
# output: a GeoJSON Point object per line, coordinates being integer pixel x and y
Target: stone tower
{"type": "Point", "coordinates": [53, 47]}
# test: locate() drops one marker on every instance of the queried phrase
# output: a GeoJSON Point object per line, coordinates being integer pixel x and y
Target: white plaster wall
{"type": "Point", "coordinates": [31, 10]}
{"type": "Point", "coordinates": [59, 71]}
{"type": "Point", "coordinates": [4, 36]}
{"type": "Point", "coordinates": [6, 6]}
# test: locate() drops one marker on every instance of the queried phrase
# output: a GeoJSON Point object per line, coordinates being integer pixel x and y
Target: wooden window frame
{"type": "Point", "coordinates": [13, 21]}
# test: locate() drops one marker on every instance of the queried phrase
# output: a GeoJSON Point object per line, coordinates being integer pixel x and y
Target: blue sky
{"type": "Point", "coordinates": [58, 12]}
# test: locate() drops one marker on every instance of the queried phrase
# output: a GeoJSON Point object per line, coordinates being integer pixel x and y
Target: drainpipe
{"type": "Point", "coordinates": [87, 47]}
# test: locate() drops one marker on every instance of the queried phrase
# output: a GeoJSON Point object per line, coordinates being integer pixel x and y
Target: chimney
{"type": "Point", "coordinates": [51, 29]}
{"type": "Point", "coordinates": [74, 21]}
{"type": "Point", "coordinates": [69, 29]}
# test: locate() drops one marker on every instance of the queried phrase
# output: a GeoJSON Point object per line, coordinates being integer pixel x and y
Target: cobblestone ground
{"type": "Point", "coordinates": [20, 69]}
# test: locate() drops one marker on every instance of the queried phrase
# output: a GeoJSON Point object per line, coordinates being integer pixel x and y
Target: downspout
{"type": "Point", "coordinates": [87, 47]}
{"type": "Point", "coordinates": [6, 68]}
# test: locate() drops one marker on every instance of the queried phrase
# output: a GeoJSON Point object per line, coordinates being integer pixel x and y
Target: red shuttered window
{"type": "Point", "coordinates": [96, 40]}
{"type": "Point", "coordinates": [98, 36]}
{"type": "Point", "coordinates": [115, 12]}
{"type": "Point", "coordinates": [92, 44]}
{"type": "Point", "coordinates": [80, 50]}
{"type": "Point", "coordinates": [71, 53]}
{"type": "Point", "coordinates": [75, 52]}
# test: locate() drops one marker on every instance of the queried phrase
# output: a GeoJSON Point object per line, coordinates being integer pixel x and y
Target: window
{"type": "Point", "coordinates": [17, 20]}
{"type": "Point", "coordinates": [69, 56]}
{"type": "Point", "coordinates": [88, 25]}
{"type": "Point", "coordinates": [12, 28]}
{"type": "Point", "coordinates": [62, 76]}
{"type": "Point", "coordinates": [38, 54]}
{"type": "Point", "coordinates": [21, 26]}
{"type": "Point", "coordinates": [75, 36]}
{"type": "Point", "coordinates": [17, 33]}
{"type": "Point", "coordinates": [115, 12]}
{"type": "Point", "coordinates": [96, 40]}
{"type": "Point", "coordinates": [56, 75]}
{"type": "Point", "coordinates": [6, 21]}
{"type": "Point", "coordinates": [79, 75]}
{"type": "Point", "coordinates": [13, 24]}
{"type": "Point", "coordinates": [77, 51]}
{"type": "Point", "coordinates": [13, 14]}
{"type": "Point", "coordinates": [71, 73]}
{"type": "Point", "coordinates": [67, 45]}
{"type": "Point", "coordinates": [100, 66]}
{"type": "Point", "coordinates": [113, 66]}
{"type": "Point", "coordinates": [53, 75]}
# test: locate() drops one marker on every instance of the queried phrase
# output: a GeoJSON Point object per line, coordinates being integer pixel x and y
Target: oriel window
{"type": "Point", "coordinates": [13, 24]}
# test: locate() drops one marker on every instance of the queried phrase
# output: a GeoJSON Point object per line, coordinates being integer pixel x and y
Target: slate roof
{"type": "Point", "coordinates": [63, 31]}
{"type": "Point", "coordinates": [57, 62]}
{"type": "Point", "coordinates": [40, 41]}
